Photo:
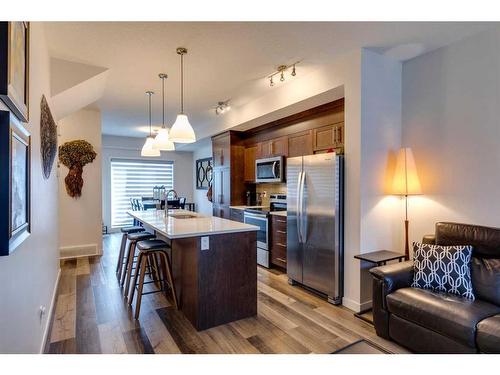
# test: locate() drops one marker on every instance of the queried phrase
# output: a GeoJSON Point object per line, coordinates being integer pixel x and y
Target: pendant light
{"type": "Point", "coordinates": [162, 140]}
{"type": "Point", "coordinates": [147, 149]}
{"type": "Point", "coordinates": [182, 131]}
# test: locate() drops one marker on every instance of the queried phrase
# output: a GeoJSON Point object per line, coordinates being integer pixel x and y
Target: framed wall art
{"type": "Point", "coordinates": [14, 67]}
{"type": "Point", "coordinates": [203, 173]}
{"type": "Point", "coordinates": [15, 183]}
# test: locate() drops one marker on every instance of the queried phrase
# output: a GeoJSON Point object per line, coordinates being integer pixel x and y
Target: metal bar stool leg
{"type": "Point", "coordinates": [119, 263]}
{"type": "Point", "coordinates": [130, 265]}
{"type": "Point", "coordinates": [168, 271]}
{"type": "Point", "coordinates": [139, 291]}
{"type": "Point", "coordinates": [140, 263]}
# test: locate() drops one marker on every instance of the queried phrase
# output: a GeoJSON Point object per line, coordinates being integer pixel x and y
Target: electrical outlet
{"type": "Point", "coordinates": [205, 243]}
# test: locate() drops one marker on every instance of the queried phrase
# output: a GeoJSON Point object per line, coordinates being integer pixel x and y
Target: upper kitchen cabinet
{"type": "Point", "coordinates": [221, 150]}
{"type": "Point", "coordinates": [328, 137]}
{"type": "Point", "coordinates": [300, 144]}
{"type": "Point", "coordinates": [273, 147]}
{"type": "Point", "coordinates": [279, 146]}
{"type": "Point", "coordinates": [250, 157]}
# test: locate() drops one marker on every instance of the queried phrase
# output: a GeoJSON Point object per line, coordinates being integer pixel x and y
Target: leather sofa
{"type": "Point", "coordinates": [434, 322]}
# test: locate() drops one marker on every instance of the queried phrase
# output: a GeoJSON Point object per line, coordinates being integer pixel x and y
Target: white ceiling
{"type": "Point", "coordinates": [225, 60]}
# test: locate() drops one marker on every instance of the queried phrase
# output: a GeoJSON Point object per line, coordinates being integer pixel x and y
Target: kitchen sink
{"type": "Point", "coordinates": [182, 216]}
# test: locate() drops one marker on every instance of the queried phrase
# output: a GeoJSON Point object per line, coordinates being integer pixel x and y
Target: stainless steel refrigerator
{"type": "Point", "coordinates": [315, 225]}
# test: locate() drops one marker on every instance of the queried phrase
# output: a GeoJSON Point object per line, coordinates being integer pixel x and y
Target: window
{"type": "Point", "coordinates": [135, 179]}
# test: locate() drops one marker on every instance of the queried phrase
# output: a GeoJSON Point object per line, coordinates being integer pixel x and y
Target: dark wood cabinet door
{"type": "Point", "coordinates": [279, 146]}
{"type": "Point", "coordinates": [328, 137]}
{"type": "Point", "coordinates": [250, 157]}
{"type": "Point", "coordinates": [221, 150]}
{"type": "Point", "coordinates": [300, 144]}
{"type": "Point", "coordinates": [278, 241]}
{"type": "Point", "coordinates": [323, 138]}
{"type": "Point", "coordinates": [263, 150]}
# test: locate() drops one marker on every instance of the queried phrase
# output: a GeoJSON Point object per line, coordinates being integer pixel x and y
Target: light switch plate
{"type": "Point", "coordinates": [205, 243]}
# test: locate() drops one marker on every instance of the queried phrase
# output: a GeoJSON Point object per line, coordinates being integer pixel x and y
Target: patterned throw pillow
{"type": "Point", "coordinates": [443, 268]}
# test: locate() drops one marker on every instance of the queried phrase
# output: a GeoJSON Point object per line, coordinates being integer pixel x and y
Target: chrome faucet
{"type": "Point", "coordinates": [166, 199]}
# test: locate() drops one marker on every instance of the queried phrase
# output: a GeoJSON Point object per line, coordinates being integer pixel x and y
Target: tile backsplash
{"type": "Point", "coordinates": [269, 189]}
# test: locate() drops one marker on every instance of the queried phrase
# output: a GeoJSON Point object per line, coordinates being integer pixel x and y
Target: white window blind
{"type": "Point", "coordinates": [135, 179]}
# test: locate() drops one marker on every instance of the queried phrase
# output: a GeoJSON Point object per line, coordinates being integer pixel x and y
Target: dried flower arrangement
{"type": "Point", "coordinates": [75, 155]}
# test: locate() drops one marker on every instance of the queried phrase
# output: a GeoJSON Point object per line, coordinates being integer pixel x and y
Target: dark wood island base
{"type": "Point", "coordinates": [218, 285]}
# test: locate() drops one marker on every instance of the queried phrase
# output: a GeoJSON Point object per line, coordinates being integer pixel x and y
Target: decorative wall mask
{"type": "Point", "coordinates": [75, 155]}
{"type": "Point", "coordinates": [48, 135]}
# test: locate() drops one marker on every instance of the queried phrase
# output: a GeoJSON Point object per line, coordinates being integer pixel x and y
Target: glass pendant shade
{"type": "Point", "coordinates": [162, 141]}
{"type": "Point", "coordinates": [148, 150]}
{"type": "Point", "coordinates": [182, 131]}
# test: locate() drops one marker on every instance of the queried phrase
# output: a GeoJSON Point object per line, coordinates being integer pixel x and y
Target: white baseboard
{"type": "Point", "coordinates": [356, 306]}
{"type": "Point", "coordinates": [69, 252]}
{"type": "Point", "coordinates": [51, 313]}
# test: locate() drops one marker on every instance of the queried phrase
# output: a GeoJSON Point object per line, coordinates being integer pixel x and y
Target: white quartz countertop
{"type": "Point", "coordinates": [174, 227]}
{"type": "Point", "coordinates": [278, 213]}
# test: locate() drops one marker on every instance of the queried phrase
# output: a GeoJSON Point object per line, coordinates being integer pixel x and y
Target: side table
{"type": "Point", "coordinates": [378, 258]}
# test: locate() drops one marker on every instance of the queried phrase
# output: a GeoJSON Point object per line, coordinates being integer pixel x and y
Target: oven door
{"type": "Point", "coordinates": [261, 222]}
{"type": "Point", "coordinates": [269, 170]}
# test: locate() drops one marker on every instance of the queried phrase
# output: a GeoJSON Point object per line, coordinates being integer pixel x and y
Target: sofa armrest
{"type": "Point", "coordinates": [387, 279]}
{"type": "Point", "coordinates": [394, 276]}
{"type": "Point", "coordinates": [429, 239]}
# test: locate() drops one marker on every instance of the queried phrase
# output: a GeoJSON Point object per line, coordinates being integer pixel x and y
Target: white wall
{"type": "Point", "coordinates": [203, 150]}
{"type": "Point", "coordinates": [381, 223]}
{"type": "Point", "coordinates": [129, 147]}
{"type": "Point", "coordinates": [29, 275]}
{"type": "Point", "coordinates": [451, 121]}
{"type": "Point", "coordinates": [80, 219]}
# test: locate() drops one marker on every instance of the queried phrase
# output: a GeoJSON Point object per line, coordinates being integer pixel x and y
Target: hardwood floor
{"type": "Point", "coordinates": [92, 317]}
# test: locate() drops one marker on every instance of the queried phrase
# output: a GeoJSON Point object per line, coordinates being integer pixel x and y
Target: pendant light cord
{"type": "Point", "coordinates": [150, 133]}
{"type": "Point", "coordinates": [182, 83]}
{"type": "Point", "coordinates": [163, 100]}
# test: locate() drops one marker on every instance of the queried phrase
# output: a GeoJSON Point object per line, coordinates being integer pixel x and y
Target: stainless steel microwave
{"type": "Point", "coordinates": [270, 170]}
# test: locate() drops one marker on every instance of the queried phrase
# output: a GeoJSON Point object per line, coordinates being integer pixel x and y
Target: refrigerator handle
{"type": "Point", "coordinates": [303, 214]}
{"type": "Point", "coordinates": [299, 205]}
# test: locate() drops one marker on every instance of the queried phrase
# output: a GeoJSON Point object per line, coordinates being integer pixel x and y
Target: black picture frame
{"type": "Point", "coordinates": [14, 67]}
{"type": "Point", "coordinates": [15, 183]}
{"type": "Point", "coordinates": [204, 172]}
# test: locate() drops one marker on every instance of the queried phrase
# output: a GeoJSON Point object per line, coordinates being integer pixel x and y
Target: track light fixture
{"type": "Point", "coordinates": [222, 107]}
{"type": "Point", "coordinates": [281, 71]}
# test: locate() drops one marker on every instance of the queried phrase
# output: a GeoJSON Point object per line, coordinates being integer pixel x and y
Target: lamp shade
{"type": "Point", "coordinates": [148, 150]}
{"type": "Point", "coordinates": [182, 131]}
{"type": "Point", "coordinates": [406, 180]}
{"type": "Point", "coordinates": [162, 141]}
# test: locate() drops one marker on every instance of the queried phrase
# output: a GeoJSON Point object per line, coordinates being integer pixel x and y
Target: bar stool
{"type": "Point", "coordinates": [150, 249]}
{"type": "Point", "coordinates": [133, 238]}
{"type": "Point", "coordinates": [121, 260]}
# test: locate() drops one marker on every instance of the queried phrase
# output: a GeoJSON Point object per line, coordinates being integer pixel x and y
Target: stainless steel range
{"type": "Point", "coordinates": [260, 217]}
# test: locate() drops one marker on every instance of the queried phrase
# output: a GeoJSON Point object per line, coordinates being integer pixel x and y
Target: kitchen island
{"type": "Point", "coordinates": [214, 264]}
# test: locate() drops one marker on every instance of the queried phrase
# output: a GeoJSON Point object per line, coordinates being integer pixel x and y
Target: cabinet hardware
{"type": "Point", "coordinates": [280, 244]}
{"type": "Point", "coordinates": [281, 231]}
{"type": "Point", "coordinates": [281, 260]}
{"type": "Point", "coordinates": [281, 221]}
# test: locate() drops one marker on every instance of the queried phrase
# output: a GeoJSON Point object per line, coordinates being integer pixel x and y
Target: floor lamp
{"type": "Point", "coordinates": [406, 183]}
